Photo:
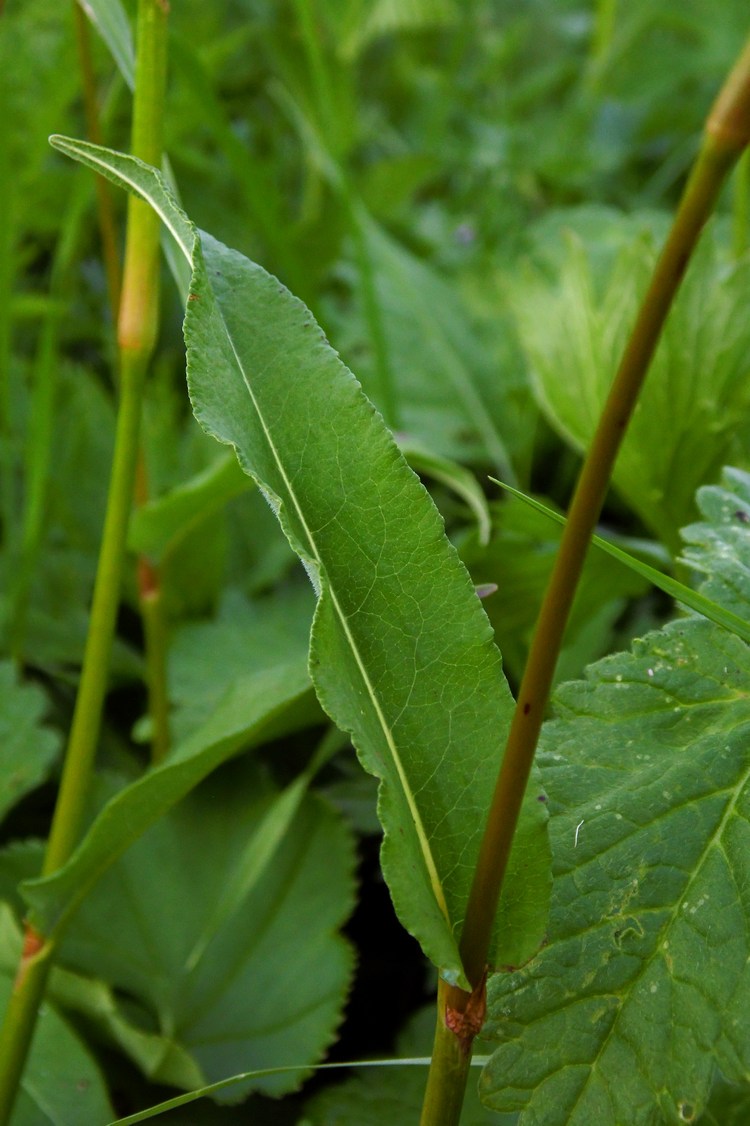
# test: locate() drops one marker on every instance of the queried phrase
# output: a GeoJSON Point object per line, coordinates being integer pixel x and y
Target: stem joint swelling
{"type": "Point", "coordinates": [465, 1012]}
{"type": "Point", "coordinates": [35, 949]}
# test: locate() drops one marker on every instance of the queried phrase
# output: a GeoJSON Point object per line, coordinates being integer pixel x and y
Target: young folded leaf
{"type": "Point", "coordinates": [402, 655]}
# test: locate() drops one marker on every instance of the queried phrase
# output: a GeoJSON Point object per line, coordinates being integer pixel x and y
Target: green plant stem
{"type": "Point", "coordinates": [137, 328]}
{"type": "Point", "coordinates": [8, 497]}
{"type": "Point", "coordinates": [726, 135]}
{"type": "Point", "coordinates": [84, 733]}
{"type": "Point", "coordinates": [449, 1069]}
{"type": "Point", "coordinates": [20, 1019]}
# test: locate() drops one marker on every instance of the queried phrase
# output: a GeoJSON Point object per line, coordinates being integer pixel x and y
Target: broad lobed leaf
{"type": "Point", "coordinates": [643, 991]}
{"type": "Point", "coordinates": [691, 416]}
{"type": "Point", "coordinates": [717, 548]}
{"type": "Point", "coordinates": [266, 990]}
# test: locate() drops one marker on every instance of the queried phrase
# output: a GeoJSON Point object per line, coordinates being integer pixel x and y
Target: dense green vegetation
{"type": "Point", "coordinates": [469, 200]}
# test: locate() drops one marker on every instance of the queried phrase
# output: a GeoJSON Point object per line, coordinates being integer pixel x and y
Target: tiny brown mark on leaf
{"type": "Point", "coordinates": [194, 297]}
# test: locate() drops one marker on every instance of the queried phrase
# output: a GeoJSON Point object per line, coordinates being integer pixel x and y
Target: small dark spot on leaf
{"type": "Point", "coordinates": [83, 1085]}
{"type": "Point", "coordinates": [526, 709]}
{"type": "Point", "coordinates": [687, 1112]}
{"type": "Point", "coordinates": [742, 516]}
{"type": "Point", "coordinates": [541, 797]}
{"type": "Point", "coordinates": [194, 297]}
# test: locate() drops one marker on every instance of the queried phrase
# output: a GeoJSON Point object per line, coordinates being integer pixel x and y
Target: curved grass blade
{"type": "Point", "coordinates": [693, 599]}
{"type": "Point", "coordinates": [192, 1096]}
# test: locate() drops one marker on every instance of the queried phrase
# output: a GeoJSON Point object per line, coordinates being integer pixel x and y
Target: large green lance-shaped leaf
{"type": "Point", "coordinates": [643, 992]}
{"type": "Point", "coordinates": [401, 651]}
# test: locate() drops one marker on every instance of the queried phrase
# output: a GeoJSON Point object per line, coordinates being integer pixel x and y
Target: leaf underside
{"type": "Point", "coordinates": [402, 655]}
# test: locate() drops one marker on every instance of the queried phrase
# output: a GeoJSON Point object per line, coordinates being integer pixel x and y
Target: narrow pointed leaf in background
{"type": "Point", "coordinates": [401, 653]}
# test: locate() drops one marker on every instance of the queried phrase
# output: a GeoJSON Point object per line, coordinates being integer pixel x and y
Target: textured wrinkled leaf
{"type": "Point", "coordinates": [401, 652]}
{"type": "Point", "coordinates": [692, 416]}
{"type": "Point", "coordinates": [622, 1015]}
{"type": "Point", "coordinates": [268, 988]}
{"type": "Point", "coordinates": [643, 991]}
{"type": "Point", "coordinates": [61, 1084]}
{"type": "Point", "coordinates": [718, 548]}
{"type": "Point", "coordinates": [256, 708]}
{"type": "Point", "coordinates": [27, 749]}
